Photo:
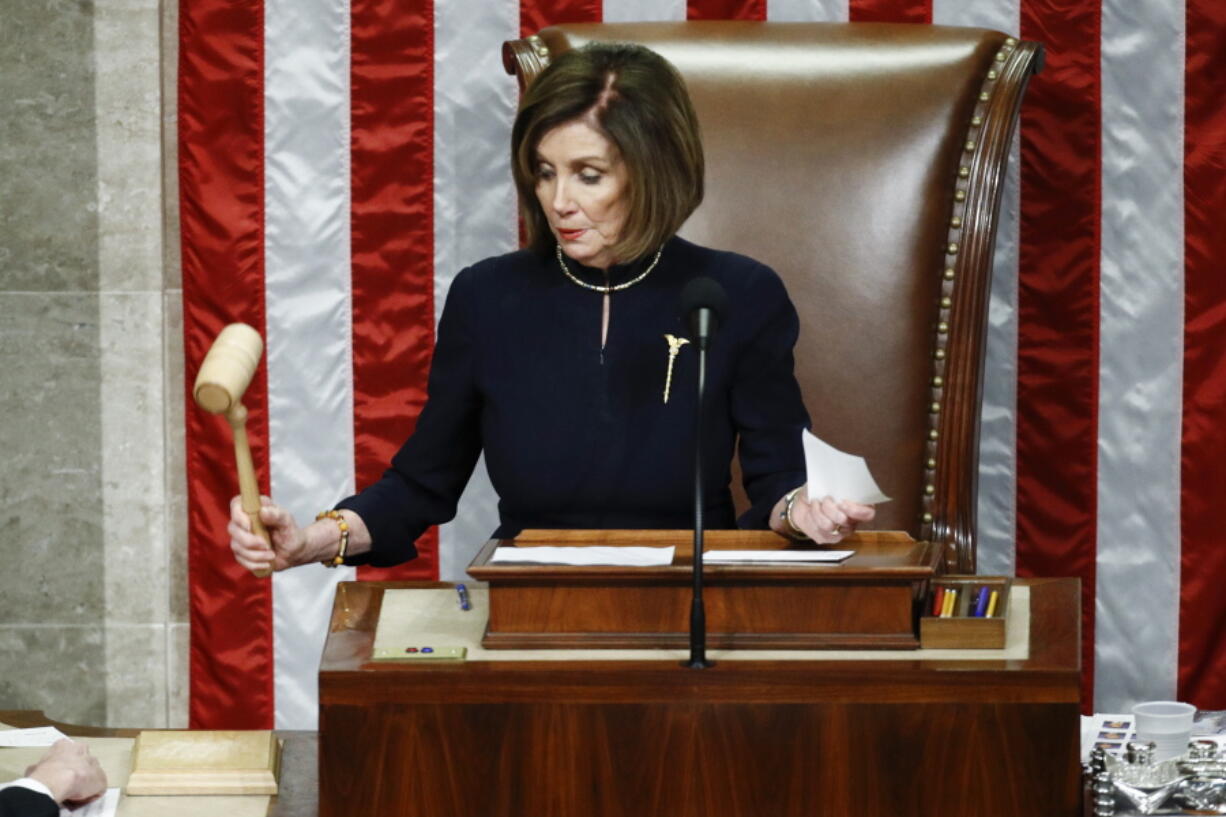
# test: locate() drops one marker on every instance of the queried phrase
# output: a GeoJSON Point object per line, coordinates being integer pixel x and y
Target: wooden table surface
{"type": "Point", "coordinates": [299, 794]}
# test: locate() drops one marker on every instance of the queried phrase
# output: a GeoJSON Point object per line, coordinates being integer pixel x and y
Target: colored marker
{"type": "Point", "coordinates": [981, 603]}
{"type": "Point", "coordinates": [992, 604]}
{"type": "Point", "coordinates": [951, 599]}
{"type": "Point", "coordinates": [462, 592]}
{"type": "Point", "coordinates": [938, 601]}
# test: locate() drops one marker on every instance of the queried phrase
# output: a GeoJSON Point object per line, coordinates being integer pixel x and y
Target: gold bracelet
{"type": "Point", "coordinates": [339, 558]}
{"type": "Point", "coordinates": [792, 532]}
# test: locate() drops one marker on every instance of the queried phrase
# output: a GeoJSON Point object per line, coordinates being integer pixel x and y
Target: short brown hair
{"type": "Point", "coordinates": [638, 100]}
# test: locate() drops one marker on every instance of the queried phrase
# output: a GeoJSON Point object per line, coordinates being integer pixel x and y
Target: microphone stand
{"type": "Point", "coordinates": [698, 615]}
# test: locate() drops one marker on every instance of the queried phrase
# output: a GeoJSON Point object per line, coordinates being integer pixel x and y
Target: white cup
{"type": "Point", "coordinates": [1167, 723]}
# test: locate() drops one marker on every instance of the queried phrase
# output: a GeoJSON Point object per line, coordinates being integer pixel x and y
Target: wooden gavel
{"type": "Point", "coordinates": [223, 378]}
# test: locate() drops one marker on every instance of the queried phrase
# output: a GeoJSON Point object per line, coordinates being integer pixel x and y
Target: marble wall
{"type": "Point", "coordinates": [93, 604]}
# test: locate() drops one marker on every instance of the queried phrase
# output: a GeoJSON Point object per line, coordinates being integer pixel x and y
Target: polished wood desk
{"type": "Point", "coordinates": [864, 602]}
{"type": "Point", "coordinates": [537, 738]}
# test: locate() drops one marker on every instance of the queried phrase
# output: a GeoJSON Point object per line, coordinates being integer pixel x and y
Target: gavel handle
{"type": "Point", "coordinates": [248, 488]}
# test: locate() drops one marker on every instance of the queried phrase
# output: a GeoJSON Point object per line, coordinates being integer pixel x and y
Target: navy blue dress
{"type": "Point", "coordinates": [576, 436]}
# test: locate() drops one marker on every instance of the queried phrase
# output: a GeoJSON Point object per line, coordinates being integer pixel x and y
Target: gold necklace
{"type": "Point", "coordinates": [606, 289]}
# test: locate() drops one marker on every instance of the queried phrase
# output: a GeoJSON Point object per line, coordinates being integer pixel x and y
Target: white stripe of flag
{"type": "Point", "coordinates": [1140, 410]}
{"type": "Point", "coordinates": [307, 297]}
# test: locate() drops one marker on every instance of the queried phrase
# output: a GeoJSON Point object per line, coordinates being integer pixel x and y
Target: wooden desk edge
{"type": "Point", "coordinates": [1054, 611]}
{"type": "Point", "coordinates": [299, 784]}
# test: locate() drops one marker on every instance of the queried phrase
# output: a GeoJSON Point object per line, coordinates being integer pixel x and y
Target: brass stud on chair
{"type": "Point", "coordinates": [955, 222]}
{"type": "Point", "coordinates": [976, 121]}
{"type": "Point", "coordinates": [942, 327]}
{"type": "Point", "coordinates": [1001, 56]}
{"type": "Point", "coordinates": [1010, 41]}
{"type": "Point", "coordinates": [931, 463]}
{"type": "Point", "coordinates": [949, 273]}
{"type": "Point", "coordinates": [927, 519]}
{"type": "Point", "coordinates": [930, 489]}
{"type": "Point", "coordinates": [970, 145]}
{"type": "Point", "coordinates": [963, 172]}
{"type": "Point", "coordinates": [947, 302]}
{"type": "Point", "coordinates": [932, 434]}
{"type": "Point", "coordinates": [940, 354]}
{"type": "Point", "coordinates": [984, 96]}
{"type": "Point", "coordinates": [992, 74]}
{"type": "Point", "coordinates": [959, 195]}
{"type": "Point", "coordinates": [952, 249]}
{"type": "Point", "coordinates": [935, 408]}
{"type": "Point", "coordinates": [938, 381]}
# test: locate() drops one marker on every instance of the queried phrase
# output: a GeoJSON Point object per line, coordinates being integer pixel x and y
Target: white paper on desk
{"type": "Point", "coordinates": [832, 473]}
{"type": "Point", "coordinates": [104, 806]}
{"type": "Point", "coordinates": [773, 556]}
{"type": "Point", "coordinates": [582, 556]}
{"type": "Point", "coordinates": [37, 736]}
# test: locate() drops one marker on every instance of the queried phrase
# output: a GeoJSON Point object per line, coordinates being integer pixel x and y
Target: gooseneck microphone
{"type": "Point", "coordinates": [703, 302]}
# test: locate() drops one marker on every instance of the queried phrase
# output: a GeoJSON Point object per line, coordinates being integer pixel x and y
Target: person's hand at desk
{"type": "Point", "coordinates": [71, 773]}
{"type": "Point", "coordinates": [66, 774]}
{"type": "Point", "coordinates": [292, 545]}
{"type": "Point", "coordinates": [825, 521]}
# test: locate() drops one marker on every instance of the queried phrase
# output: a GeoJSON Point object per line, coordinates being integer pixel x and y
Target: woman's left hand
{"type": "Point", "coordinates": [827, 520]}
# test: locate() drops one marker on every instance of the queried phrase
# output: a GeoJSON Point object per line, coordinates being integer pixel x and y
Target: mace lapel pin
{"type": "Point", "coordinates": [674, 346]}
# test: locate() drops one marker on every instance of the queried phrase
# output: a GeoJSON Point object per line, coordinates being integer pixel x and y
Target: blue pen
{"type": "Point", "coordinates": [981, 603]}
{"type": "Point", "coordinates": [462, 591]}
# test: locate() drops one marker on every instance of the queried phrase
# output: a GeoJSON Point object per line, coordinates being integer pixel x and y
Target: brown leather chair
{"type": "Point", "coordinates": [863, 162]}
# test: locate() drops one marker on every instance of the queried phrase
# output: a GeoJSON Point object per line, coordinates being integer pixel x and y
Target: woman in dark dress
{"type": "Point", "coordinates": [567, 362]}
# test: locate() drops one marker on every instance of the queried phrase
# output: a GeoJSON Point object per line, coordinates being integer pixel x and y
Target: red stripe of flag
{"type": "Point", "coordinates": [221, 173]}
{"type": "Point", "coordinates": [1202, 611]}
{"type": "Point", "coordinates": [537, 14]}
{"type": "Point", "coordinates": [1057, 394]}
{"type": "Point", "coordinates": [392, 236]}
{"type": "Point", "coordinates": [890, 11]}
{"type": "Point", "coordinates": [725, 10]}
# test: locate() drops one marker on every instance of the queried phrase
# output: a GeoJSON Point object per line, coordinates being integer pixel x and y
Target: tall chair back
{"type": "Point", "coordinates": [863, 162]}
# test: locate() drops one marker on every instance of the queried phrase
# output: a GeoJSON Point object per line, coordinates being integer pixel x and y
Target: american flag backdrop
{"type": "Point", "coordinates": [341, 160]}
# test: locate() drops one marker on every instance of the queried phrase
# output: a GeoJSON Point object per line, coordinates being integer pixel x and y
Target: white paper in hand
{"type": "Point", "coordinates": [835, 474]}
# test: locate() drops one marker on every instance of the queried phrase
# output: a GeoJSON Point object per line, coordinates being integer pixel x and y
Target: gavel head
{"type": "Point", "coordinates": [227, 368]}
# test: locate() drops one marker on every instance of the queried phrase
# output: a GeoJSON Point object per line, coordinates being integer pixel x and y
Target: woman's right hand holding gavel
{"type": "Point", "coordinates": [288, 541]}
{"type": "Point", "coordinates": [290, 544]}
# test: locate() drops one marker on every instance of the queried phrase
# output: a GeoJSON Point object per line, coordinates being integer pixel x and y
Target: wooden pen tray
{"type": "Point", "coordinates": [962, 630]}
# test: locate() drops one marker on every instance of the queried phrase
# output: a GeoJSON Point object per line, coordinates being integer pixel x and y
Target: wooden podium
{"type": "Point", "coordinates": [865, 602]}
{"type": "Point", "coordinates": [509, 734]}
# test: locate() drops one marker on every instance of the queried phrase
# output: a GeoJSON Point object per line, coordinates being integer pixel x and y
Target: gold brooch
{"type": "Point", "coordinates": [674, 346]}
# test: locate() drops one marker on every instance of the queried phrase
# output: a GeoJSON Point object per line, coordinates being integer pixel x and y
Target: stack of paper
{"type": "Point", "coordinates": [583, 556]}
{"type": "Point", "coordinates": [773, 556]}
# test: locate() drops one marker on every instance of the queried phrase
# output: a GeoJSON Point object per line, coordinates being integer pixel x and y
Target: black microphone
{"type": "Point", "coordinates": [703, 302]}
